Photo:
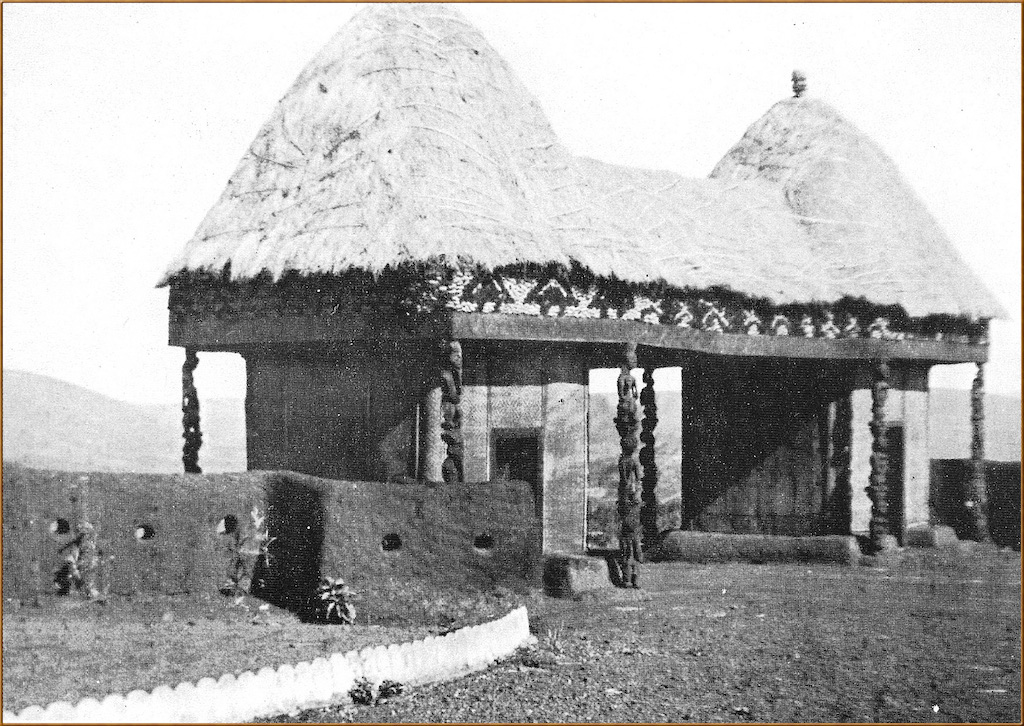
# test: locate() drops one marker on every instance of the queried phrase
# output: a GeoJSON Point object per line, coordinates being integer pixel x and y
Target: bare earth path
{"type": "Point", "coordinates": [933, 638]}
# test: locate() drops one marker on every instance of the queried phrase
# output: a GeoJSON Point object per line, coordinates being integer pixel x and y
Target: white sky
{"type": "Point", "coordinates": [122, 123]}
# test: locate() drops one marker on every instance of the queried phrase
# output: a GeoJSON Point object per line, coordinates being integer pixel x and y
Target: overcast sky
{"type": "Point", "coordinates": [122, 123]}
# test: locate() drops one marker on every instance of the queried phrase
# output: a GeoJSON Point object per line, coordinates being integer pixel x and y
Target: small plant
{"type": "Point", "coordinates": [259, 540]}
{"type": "Point", "coordinates": [246, 551]}
{"type": "Point", "coordinates": [530, 656]}
{"type": "Point", "coordinates": [68, 575]}
{"type": "Point", "coordinates": [80, 566]}
{"type": "Point", "coordinates": [552, 639]}
{"type": "Point", "coordinates": [336, 601]}
{"type": "Point", "coordinates": [362, 692]}
{"type": "Point", "coordinates": [389, 689]}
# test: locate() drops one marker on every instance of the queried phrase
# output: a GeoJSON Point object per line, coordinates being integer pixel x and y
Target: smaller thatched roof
{"type": "Point", "coordinates": [871, 234]}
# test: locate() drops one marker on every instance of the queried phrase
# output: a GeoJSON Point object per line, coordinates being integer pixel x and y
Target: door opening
{"type": "Point", "coordinates": [518, 454]}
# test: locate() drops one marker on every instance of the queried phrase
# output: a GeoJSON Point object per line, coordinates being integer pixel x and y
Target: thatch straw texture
{"type": "Point", "coordinates": [870, 233]}
{"type": "Point", "coordinates": [405, 139]}
{"type": "Point", "coordinates": [642, 226]}
{"type": "Point", "coordinates": [408, 139]}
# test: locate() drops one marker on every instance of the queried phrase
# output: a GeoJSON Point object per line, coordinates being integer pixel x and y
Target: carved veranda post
{"type": "Point", "coordinates": [977, 492]}
{"type": "Point", "coordinates": [451, 413]}
{"type": "Point", "coordinates": [629, 493]}
{"type": "Point", "coordinates": [190, 414]}
{"type": "Point", "coordinates": [649, 510]}
{"type": "Point", "coordinates": [881, 537]}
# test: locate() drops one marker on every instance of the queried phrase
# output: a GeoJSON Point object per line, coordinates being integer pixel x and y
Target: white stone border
{"type": "Point", "coordinates": [322, 682]}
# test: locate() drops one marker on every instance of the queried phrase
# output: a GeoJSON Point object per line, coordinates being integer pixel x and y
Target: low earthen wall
{"type": "Point", "coordinates": [949, 480]}
{"type": "Point", "coordinates": [165, 533]}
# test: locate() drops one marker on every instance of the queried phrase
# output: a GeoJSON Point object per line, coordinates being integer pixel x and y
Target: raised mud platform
{"type": "Point", "coordinates": [571, 575]}
{"type": "Point", "coordinates": [705, 547]}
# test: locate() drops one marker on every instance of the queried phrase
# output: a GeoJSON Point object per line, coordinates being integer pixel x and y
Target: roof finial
{"type": "Point", "coordinates": [799, 84]}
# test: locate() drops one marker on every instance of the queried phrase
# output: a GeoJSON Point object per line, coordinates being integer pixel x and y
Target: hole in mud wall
{"type": "Point", "coordinates": [227, 525]}
{"type": "Point", "coordinates": [144, 532]}
{"type": "Point", "coordinates": [391, 543]}
{"type": "Point", "coordinates": [483, 542]}
{"type": "Point", "coordinates": [60, 526]}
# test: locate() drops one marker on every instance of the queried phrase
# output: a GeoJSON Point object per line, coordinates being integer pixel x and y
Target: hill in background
{"type": "Point", "coordinates": [52, 424]}
{"type": "Point", "coordinates": [949, 426]}
{"type": "Point", "coordinates": [49, 423]}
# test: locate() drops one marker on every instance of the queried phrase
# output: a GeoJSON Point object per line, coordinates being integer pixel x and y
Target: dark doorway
{"type": "Point", "coordinates": [894, 479]}
{"type": "Point", "coordinates": [517, 454]}
{"type": "Point", "coordinates": [295, 517]}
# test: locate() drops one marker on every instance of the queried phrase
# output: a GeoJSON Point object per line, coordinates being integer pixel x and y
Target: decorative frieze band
{"type": "Point", "coordinates": [712, 311]}
{"type": "Point", "coordinates": [545, 292]}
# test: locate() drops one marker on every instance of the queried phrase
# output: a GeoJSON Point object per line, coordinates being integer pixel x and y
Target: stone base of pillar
{"type": "Point", "coordinates": [571, 575]}
{"type": "Point", "coordinates": [885, 543]}
{"type": "Point", "coordinates": [939, 536]}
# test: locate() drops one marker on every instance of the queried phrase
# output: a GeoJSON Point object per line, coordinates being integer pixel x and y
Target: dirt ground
{"type": "Point", "coordinates": [934, 638]}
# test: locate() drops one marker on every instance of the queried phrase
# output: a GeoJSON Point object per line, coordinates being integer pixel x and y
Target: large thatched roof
{"type": "Point", "coordinates": [408, 139]}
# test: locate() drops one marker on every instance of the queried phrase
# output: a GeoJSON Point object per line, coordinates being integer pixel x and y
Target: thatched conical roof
{"type": "Point", "coordinates": [405, 138]}
{"type": "Point", "coordinates": [871, 235]}
{"type": "Point", "coordinates": [408, 139]}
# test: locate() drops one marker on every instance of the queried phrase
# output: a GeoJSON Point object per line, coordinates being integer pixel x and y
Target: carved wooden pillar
{"type": "Point", "coordinates": [451, 413]}
{"type": "Point", "coordinates": [877, 490]}
{"type": "Point", "coordinates": [627, 424]}
{"type": "Point", "coordinates": [190, 415]}
{"type": "Point", "coordinates": [977, 493]}
{"type": "Point", "coordinates": [649, 512]}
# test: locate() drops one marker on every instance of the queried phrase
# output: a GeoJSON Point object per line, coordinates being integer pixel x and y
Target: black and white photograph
{"type": "Point", "coordinates": [511, 363]}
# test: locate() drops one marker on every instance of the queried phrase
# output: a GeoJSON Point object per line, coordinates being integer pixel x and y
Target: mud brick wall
{"type": "Point", "coordinates": [184, 553]}
{"type": "Point", "coordinates": [949, 479]}
{"type": "Point", "coordinates": [321, 527]}
{"type": "Point", "coordinates": [389, 535]}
